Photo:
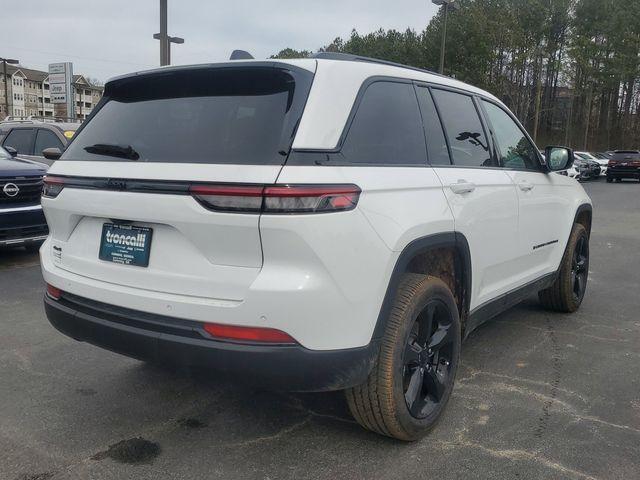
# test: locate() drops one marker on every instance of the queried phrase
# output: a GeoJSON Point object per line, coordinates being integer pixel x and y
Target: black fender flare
{"type": "Point", "coordinates": [416, 247]}
{"type": "Point", "coordinates": [585, 207]}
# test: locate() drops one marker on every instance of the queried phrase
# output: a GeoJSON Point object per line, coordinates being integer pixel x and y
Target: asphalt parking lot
{"type": "Point", "coordinates": [538, 395]}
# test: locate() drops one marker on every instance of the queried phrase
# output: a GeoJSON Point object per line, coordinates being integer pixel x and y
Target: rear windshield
{"type": "Point", "coordinates": [626, 155]}
{"type": "Point", "coordinates": [241, 115]}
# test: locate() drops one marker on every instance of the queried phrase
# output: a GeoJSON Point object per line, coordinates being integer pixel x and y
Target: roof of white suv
{"type": "Point", "coordinates": [338, 78]}
{"type": "Point", "coordinates": [340, 81]}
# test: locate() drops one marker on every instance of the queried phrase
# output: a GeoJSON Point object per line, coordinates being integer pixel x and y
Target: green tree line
{"type": "Point", "coordinates": [569, 69]}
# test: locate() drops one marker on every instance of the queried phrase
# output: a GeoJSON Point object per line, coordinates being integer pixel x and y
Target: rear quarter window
{"type": "Point", "coordinates": [386, 128]}
{"type": "Point", "coordinates": [625, 155]}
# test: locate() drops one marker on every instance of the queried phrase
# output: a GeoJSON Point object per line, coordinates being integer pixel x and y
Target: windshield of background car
{"type": "Point", "coordinates": [230, 115]}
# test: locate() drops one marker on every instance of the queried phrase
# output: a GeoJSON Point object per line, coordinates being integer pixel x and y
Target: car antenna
{"type": "Point", "coordinates": [240, 55]}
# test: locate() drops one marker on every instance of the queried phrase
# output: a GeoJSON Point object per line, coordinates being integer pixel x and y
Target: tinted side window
{"type": "Point", "coordinates": [21, 139]}
{"type": "Point", "coordinates": [46, 139]}
{"type": "Point", "coordinates": [436, 143]}
{"type": "Point", "coordinates": [469, 146]}
{"type": "Point", "coordinates": [387, 128]}
{"type": "Point", "coordinates": [516, 151]}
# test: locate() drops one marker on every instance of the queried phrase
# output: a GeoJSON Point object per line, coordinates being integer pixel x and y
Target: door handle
{"type": "Point", "coordinates": [462, 186]}
{"type": "Point", "coordinates": [525, 186]}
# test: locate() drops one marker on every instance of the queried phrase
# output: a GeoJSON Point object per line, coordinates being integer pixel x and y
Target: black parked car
{"type": "Point", "coordinates": [22, 222]}
{"type": "Point", "coordinates": [624, 164]}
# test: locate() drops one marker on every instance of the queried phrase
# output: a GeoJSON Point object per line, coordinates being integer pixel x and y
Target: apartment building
{"type": "Point", "coordinates": [28, 94]}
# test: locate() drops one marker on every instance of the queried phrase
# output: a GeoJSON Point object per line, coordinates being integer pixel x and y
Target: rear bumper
{"type": "Point", "coordinates": [172, 341]}
{"type": "Point", "coordinates": [22, 226]}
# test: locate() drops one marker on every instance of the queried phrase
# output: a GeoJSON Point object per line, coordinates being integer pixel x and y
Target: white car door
{"type": "Point", "coordinates": [544, 212]}
{"type": "Point", "coordinates": [481, 196]}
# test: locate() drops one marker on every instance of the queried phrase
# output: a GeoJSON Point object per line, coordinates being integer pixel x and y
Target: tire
{"type": "Point", "coordinates": [410, 383]}
{"type": "Point", "coordinates": [618, 180]}
{"type": "Point", "coordinates": [568, 290]}
{"type": "Point", "coordinates": [609, 179]}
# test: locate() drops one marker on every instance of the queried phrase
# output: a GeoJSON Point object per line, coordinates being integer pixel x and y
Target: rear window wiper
{"type": "Point", "coordinates": [121, 151]}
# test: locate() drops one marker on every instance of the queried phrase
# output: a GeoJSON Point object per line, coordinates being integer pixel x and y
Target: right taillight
{"type": "Point", "coordinates": [52, 186]}
{"type": "Point", "coordinates": [310, 198]}
{"type": "Point", "coordinates": [277, 199]}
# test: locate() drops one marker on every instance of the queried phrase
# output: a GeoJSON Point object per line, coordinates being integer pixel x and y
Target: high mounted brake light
{"type": "Point", "coordinates": [52, 186]}
{"type": "Point", "coordinates": [277, 199]}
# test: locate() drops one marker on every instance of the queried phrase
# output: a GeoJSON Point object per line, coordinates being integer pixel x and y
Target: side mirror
{"type": "Point", "coordinates": [52, 153]}
{"type": "Point", "coordinates": [558, 158]}
{"type": "Point", "coordinates": [11, 151]}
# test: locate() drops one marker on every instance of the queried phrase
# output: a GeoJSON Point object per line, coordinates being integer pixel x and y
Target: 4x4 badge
{"type": "Point", "coordinates": [11, 189]}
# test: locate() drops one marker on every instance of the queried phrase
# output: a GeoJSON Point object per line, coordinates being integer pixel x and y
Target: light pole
{"type": "Point", "coordinates": [6, 82]}
{"type": "Point", "coordinates": [165, 39]}
{"type": "Point", "coordinates": [446, 4]}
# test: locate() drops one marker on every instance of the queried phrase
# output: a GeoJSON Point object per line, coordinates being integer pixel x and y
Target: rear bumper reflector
{"type": "Point", "coordinates": [247, 334]}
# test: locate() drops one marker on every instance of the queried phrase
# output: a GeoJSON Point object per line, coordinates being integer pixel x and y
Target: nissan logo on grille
{"type": "Point", "coordinates": [11, 189]}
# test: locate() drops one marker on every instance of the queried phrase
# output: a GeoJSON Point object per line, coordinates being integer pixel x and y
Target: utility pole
{"type": "Point", "coordinates": [536, 120]}
{"type": "Point", "coordinates": [588, 117]}
{"type": "Point", "coordinates": [569, 117]}
{"type": "Point", "coordinates": [163, 36]}
{"type": "Point", "coordinates": [446, 4]}
{"type": "Point", "coordinates": [444, 39]}
{"type": "Point", "coordinates": [6, 81]}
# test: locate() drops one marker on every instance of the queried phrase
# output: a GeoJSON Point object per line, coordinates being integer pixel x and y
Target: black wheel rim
{"type": "Point", "coordinates": [580, 268]}
{"type": "Point", "coordinates": [428, 359]}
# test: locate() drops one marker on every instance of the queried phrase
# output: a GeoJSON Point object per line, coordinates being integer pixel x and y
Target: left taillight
{"type": "Point", "coordinates": [52, 186]}
{"type": "Point", "coordinates": [277, 199]}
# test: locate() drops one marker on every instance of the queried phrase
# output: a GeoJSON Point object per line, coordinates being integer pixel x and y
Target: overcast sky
{"type": "Point", "coordinates": [106, 38]}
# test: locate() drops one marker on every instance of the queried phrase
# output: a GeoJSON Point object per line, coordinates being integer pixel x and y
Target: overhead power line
{"type": "Point", "coordinates": [10, 47]}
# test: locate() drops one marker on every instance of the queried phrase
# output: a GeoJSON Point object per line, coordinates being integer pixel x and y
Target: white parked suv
{"type": "Point", "coordinates": [317, 224]}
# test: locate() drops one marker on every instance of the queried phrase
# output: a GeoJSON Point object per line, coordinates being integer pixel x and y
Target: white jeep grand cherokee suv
{"type": "Point", "coordinates": [318, 224]}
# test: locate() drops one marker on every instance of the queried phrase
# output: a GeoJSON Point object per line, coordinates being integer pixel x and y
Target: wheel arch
{"type": "Point", "coordinates": [422, 247]}
{"type": "Point", "coordinates": [584, 216]}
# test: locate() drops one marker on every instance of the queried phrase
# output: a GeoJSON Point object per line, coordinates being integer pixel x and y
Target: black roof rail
{"type": "Point", "coordinates": [359, 58]}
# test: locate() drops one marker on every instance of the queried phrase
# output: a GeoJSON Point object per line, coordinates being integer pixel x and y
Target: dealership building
{"type": "Point", "coordinates": [27, 94]}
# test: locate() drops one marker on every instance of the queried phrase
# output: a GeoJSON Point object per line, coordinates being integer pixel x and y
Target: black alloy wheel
{"type": "Point", "coordinates": [579, 268]}
{"type": "Point", "coordinates": [568, 290]}
{"type": "Point", "coordinates": [413, 376]}
{"type": "Point", "coordinates": [427, 359]}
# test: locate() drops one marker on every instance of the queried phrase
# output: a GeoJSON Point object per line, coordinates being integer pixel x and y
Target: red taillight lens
{"type": "Point", "coordinates": [310, 198]}
{"type": "Point", "coordinates": [52, 186]}
{"type": "Point", "coordinates": [247, 334]}
{"type": "Point", "coordinates": [277, 198]}
{"type": "Point", "coordinates": [229, 198]}
{"type": "Point", "coordinates": [54, 292]}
